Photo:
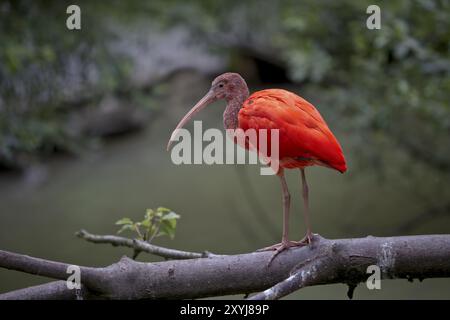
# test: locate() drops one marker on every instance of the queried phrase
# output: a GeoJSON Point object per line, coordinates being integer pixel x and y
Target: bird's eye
{"type": "Point", "coordinates": [221, 85]}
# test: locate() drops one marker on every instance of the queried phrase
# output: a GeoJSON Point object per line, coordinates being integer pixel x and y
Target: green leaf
{"type": "Point", "coordinates": [165, 233]}
{"type": "Point", "coordinates": [126, 227]}
{"type": "Point", "coordinates": [146, 223]}
{"type": "Point", "coordinates": [124, 221]}
{"type": "Point", "coordinates": [165, 218]}
{"type": "Point", "coordinates": [171, 215]}
{"type": "Point", "coordinates": [168, 228]}
{"type": "Point", "coordinates": [149, 213]}
{"type": "Point", "coordinates": [163, 210]}
{"type": "Point", "coordinates": [172, 223]}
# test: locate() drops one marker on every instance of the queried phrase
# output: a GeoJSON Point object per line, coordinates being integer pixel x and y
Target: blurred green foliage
{"type": "Point", "coordinates": [391, 83]}
{"type": "Point", "coordinates": [388, 85]}
{"type": "Point", "coordinates": [45, 70]}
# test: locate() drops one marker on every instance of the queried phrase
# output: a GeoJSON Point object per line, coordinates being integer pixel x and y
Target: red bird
{"type": "Point", "coordinates": [304, 137]}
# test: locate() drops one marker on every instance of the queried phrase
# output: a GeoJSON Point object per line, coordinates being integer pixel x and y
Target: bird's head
{"type": "Point", "coordinates": [226, 86]}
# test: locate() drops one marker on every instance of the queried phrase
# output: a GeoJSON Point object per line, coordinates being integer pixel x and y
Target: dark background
{"type": "Point", "coordinates": [85, 117]}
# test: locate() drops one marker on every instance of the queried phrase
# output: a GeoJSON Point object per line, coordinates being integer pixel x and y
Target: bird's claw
{"type": "Point", "coordinates": [284, 245]}
{"type": "Point", "coordinates": [308, 238]}
{"type": "Point", "coordinates": [280, 247]}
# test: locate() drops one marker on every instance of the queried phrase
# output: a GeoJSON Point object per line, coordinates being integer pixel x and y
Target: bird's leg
{"type": "Point", "coordinates": [286, 207]}
{"type": "Point", "coordinates": [285, 243]}
{"type": "Point", "coordinates": [286, 198]}
{"type": "Point", "coordinates": [305, 193]}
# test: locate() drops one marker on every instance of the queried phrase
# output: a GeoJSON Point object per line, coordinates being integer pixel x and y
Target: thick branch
{"type": "Point", "coordinates": [56, 290]}
{"type": "Point", "coordinates": [326, 262]}
{"type": "Point", "coordinates": [142, 246]}
{"type": "Point", "coordinates": [92, 277]}
{"type": "Point", "coordinates": [37, 266]}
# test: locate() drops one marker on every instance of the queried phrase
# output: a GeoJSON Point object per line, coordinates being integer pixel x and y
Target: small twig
{"type": "Point", "coordinates": [155, 232]}
{"type": "Point", "coordinates": [138, 232]}
{"type": "Point", "coordinates": [351, 290]}
{"type": "Point", "coordinates": [309, 274]}
{"type": "Point", "coordinates": [135, 254]}
{"type": "Point", "coordinates": [142, 246]}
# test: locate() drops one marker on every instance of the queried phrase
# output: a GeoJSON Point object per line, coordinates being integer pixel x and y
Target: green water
{"type": "Point", "coordinates": [218, 211]}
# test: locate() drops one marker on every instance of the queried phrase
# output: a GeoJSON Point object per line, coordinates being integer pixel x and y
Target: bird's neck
{"type": "Point", "coordinates": [234, 104]}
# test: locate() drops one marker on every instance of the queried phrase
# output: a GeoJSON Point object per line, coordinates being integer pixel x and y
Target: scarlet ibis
{"type": "Point", "coordinates": [304, 137]}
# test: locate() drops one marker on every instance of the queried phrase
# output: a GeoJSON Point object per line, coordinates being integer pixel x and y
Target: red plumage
{"type": "Point", "coordinates": [304, 136]}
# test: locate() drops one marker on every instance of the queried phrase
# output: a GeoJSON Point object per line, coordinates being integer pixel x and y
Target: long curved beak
{"type": "Point", "coordinates": [205, 101]}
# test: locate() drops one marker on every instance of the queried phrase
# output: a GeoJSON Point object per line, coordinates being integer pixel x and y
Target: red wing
{"type": "Point", "coordinates": [303, 132]}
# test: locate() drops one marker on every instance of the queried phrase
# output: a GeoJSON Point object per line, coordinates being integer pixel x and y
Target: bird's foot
{"type": "Point", "coordinates": [307, 239]}
{"type": "Point", "coordinates": [280, 247]}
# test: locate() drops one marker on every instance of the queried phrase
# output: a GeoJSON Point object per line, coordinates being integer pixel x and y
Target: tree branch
{"type": "Point", "coordinates": [37, 266]}
{"type": "Point", "coordinates": [325, 262]}
{"type": "Point", "coordinates": [142, 246]}
{"type": "Point", "coordinates": [313, 271]}
{"type": "Point", "coordinates": [56, 290]}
